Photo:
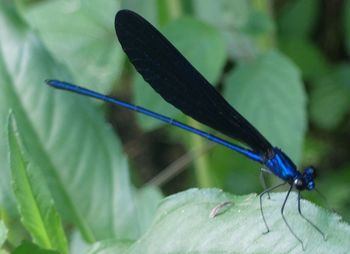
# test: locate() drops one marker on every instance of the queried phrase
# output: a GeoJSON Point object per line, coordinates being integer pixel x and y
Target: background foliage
{"type": "Point", "coordinates": [76, 172]}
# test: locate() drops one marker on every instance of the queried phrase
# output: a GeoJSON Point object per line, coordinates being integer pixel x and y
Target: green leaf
{"type": "Point", "coordinates": [306, 54]}
{"type": "Point", "coordinates": [182, 225]}
{"type": "Point", "coordinates": [110, 247]}
{"type": "Point", "coordinates": [83, 40]}
{"type": "Point", "coordinates": [269, 93]}
{"type": "Point", "coordinates": [298, 18]}
{"type": "Point", "coordinates": [36, 207]}
{"type": "Point", "coordinates": [27, 247]}
{"type": "Point", "coordinates": [3, 233]}
{"type": "Point", "coordinates": [202, 45]}
{"type": "Point", "coordinates": [336, 188]}
{"type": "Point", "coordinates": [84, 165]}
{"type": "Point", "coordinates": [329, 99]}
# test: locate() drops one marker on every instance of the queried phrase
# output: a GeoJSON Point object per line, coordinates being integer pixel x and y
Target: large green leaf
{"type": "Point", "coordinates": [202, 45]}
{"type": "Point", "coordinates": [83, 162]}
{"type": "Point", "coordinates": [81, 35]}
{"type": "Point", "coordinates": [269, 93]}
{"type": "Point", "coordinates": [182, 225]}
{"type": "Point", "coordinates": [35, 204]}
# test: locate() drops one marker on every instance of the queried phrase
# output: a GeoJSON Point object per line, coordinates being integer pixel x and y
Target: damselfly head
{"type": "Point", "coordinates": [306, 181]}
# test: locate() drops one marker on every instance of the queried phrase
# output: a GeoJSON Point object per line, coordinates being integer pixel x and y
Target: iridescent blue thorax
{"type": "Point", "coordinates": [283, 167]}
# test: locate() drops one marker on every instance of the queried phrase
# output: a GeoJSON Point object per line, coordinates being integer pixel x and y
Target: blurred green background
{"type": "Point", "coordinates": [283, 64]}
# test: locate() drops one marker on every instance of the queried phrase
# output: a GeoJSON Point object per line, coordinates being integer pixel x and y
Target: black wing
{"type": "Point", "coordinates": [179, 83]}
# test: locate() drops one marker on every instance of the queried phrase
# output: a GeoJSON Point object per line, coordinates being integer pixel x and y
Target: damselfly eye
{"type": "Point", "coordinates": [310, 172]}
{"type": "Point", "coordinates": [310, 185]}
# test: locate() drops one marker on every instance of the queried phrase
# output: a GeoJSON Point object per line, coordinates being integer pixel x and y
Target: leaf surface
{"type": "Point", "coordinates": [84, 40]}
{"type": "Point", "coordinates": [182, 225]}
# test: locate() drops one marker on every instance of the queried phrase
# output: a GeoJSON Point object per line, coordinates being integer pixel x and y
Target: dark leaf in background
{"type": "Point", "coordinates": [330, 98]}
{"type": "Point", "coordinates": [306, 55]}
{"type": "Point", "coordinates": [298, 18]}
